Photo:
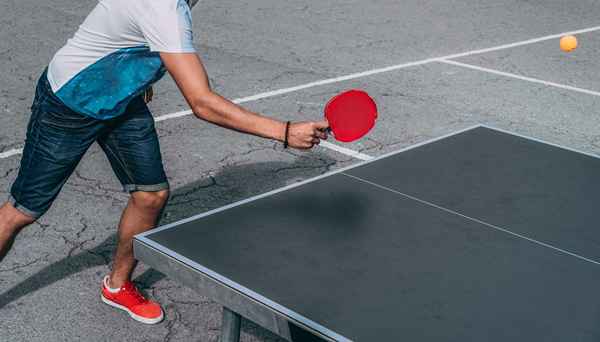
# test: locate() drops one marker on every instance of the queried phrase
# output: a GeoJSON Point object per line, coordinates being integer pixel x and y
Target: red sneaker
{"type": "Point", "coordinates": [129, 299]}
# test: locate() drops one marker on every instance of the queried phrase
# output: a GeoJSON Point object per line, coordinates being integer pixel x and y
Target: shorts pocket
{"type": "Point", "coordinates": [64, 118]}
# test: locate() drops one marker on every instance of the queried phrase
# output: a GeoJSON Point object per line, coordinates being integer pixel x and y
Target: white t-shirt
{"type": "Point", "coordinates": [114, 56]}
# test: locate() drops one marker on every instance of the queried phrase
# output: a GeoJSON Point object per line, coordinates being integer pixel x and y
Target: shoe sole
{"type": "Point", "coordinates": [133, 315]}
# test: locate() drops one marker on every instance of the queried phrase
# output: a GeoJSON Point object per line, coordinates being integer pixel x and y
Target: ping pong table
{"type": "Point", "coordinates": [481, 235]}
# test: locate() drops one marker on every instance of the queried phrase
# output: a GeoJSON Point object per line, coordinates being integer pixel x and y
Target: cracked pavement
{"type": "Point", "coordinates": [49, 283]}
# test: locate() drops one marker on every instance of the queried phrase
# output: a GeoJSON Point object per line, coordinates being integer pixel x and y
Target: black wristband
{"type": "Point", "coordinates": [287, 130]}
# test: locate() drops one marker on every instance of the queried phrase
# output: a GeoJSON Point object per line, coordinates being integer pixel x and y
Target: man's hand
{"type": "Point", "coordinates": [305, 135]}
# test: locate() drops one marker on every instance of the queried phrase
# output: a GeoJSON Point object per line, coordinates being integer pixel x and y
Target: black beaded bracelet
{"type": "Point", "coordinates": [287, 129]}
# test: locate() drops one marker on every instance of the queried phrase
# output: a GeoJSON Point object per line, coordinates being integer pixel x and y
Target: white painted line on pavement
{"type": "Point", "coordinates": [443, 59]}
{"type": "Point", "coordinates": [346, 151]}
{"type": "Point", "coordinates": [522, 78]}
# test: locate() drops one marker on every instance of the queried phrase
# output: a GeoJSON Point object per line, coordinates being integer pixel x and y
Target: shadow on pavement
{"type": "Point", "coordinates": [229, 184]}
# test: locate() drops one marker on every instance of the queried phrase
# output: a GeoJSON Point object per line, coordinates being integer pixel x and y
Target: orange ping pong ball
{"type": "Point", "coordinates": [568, 43]}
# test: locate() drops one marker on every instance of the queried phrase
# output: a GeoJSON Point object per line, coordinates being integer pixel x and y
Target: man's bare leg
{"type": "Point", "coordinates": [12, 221]}
{"type": "Point", "coordinates": [140, 215]}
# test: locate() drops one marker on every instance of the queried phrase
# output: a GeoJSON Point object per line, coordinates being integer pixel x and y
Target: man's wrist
{"type": "Point", "coordinates": [279, 131]}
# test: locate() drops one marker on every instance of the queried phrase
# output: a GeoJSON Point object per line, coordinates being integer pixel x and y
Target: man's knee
{"type": "Point", "coordinates": [154, 200]}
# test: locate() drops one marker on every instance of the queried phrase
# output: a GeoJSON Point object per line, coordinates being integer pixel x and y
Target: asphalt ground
{"type": "Point", "coordinates": [440, 82]}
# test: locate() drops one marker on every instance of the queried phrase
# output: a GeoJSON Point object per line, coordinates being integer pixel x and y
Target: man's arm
{"type": "Point", "coordinates": [191, 78]}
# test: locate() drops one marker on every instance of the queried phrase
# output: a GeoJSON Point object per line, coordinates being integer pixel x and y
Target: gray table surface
{"type": "Point", "coordinates": [479, 236]}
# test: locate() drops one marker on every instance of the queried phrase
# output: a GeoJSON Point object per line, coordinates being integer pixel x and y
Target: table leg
{"type": "Point", "coordinates": [230, 328]}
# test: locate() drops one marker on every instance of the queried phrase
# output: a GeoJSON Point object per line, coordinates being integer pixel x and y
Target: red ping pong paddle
{"type": "Point", "coordinates": [351, 115]}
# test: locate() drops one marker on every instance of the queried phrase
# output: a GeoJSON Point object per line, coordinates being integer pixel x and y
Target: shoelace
{"type": "Point", "coordinates": [133, 291]}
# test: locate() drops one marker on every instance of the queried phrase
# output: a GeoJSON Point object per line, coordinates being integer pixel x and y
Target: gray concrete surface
{"type": "Point", "coordinates": [547, 62]}
{"type": "Point", "coordinates": [49, 283]}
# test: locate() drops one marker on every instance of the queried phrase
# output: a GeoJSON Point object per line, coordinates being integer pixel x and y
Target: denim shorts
{"type": "Point", "coordinates": [57, 138]}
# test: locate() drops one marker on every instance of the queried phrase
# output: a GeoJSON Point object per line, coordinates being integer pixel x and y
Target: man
{"type": "Point", "coordinates": [94, 91]}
